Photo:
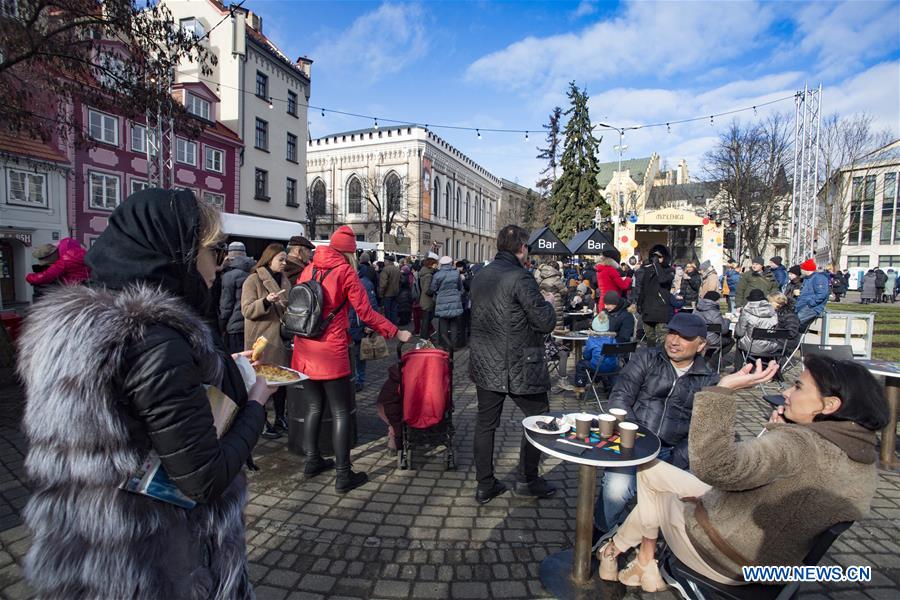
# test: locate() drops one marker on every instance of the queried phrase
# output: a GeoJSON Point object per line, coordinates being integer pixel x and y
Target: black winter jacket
{"type": "Point", "coordinates": [509, 321]}
{"type": "Point", "coordinates": [690, 286]}
{"type": "Point", "coordinates": [231, 320]}
{"type": "Point", "coordinates": [655, 298]}
{"type": "Point", "coordinates": [621, 322]}
{"type": "Point", "coordinates": [655, 398]}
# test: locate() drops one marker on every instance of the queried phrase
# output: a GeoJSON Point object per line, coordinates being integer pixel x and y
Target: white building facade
{"type": "Point", "coordinates": [440, 200]}
{"type": "Point", "coordinates": [264, 97]}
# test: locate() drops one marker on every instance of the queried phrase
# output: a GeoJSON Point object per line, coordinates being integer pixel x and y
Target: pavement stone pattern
{"type": "Point", "coordinates": [419, 534]}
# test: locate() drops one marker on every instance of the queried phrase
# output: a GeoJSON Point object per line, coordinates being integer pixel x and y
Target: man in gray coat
{"type": "Point", "coordinates": [510, 318]}
{"type": "Point", "coordinates": [389, 288]}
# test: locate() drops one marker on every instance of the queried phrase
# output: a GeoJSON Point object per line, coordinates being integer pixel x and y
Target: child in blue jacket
{"type": "Point", "coordinates": [593, 358]}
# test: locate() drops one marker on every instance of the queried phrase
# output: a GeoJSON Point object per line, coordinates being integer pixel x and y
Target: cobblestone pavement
{"type": "Point", "coordinates": [419, 533]}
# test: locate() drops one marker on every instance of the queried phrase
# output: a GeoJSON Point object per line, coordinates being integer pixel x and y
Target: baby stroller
{"type": "Point", "coordinates": [426, 390]}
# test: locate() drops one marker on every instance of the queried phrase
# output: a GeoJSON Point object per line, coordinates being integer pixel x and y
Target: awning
{"type": "Point", "coordinates": [591, 242]}
{"type": "Point", "coordinates": [260, 227]}
{"type": "Point", "coordinates": [544, 241]}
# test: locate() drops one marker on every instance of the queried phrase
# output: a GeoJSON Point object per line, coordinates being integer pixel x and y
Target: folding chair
{"type": "Point", "coordinates": [796, 355]}
{"type": "Point", "coordinates": [839, 352]}
{"type": "Point", "coordinates": [617, 350]}
{"type": "Point", "coordinates": [716, 328]}
{"type": "Point", "coordinates": [772, 334]}
{"type": "Point", "coordinates": [693, 586]}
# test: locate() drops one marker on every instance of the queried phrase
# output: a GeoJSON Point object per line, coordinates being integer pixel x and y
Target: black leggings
{"type": "Point", "coordinates": [339, 395]}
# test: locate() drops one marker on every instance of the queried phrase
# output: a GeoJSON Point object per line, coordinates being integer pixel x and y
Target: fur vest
{"type": "Point", "coordinates": [91, 539]}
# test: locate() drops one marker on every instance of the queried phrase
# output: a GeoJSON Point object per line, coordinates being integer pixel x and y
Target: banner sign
{"type": "Point", "coordinates": [544, 241]}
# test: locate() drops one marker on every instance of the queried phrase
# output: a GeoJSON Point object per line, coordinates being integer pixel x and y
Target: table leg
{"type": "Point", "coordinates": [889, 433]}
{"type": "Point", "coordinates": [584, 523]}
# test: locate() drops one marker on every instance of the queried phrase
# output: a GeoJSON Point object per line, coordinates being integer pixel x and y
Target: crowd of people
{"type": "Point", "coordinates": [120, 371]}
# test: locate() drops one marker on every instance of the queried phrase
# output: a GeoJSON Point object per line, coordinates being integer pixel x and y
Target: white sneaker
{"type": "Point", "coordinates": [564, 384]}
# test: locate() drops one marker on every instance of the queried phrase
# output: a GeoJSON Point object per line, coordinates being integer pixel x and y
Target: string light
{"type": "Point", "coordinates": [754, 111]}
{"type": "Point", "coordinates": [478, 131]}
{"type": "Point", "coordinates": [376, 123]}
{"type": "Point", "coordinates": [668, 128]}
{"type": "Point", "coordinates": [526, 136]}
{"type": "Point", "coordinates": [711, 121]}
{"type": "Point", "coordinates": [271, 106]}
{"type": "Point", "coordinates": [323, 112]}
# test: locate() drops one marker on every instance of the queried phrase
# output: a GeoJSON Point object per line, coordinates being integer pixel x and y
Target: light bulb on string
{"type": "Point", "coordinates": [477, 131]}
{"type": "Point", "coordinates": [754, 111]}
{"type": "Point", "coordinates": [668, 128]}
{"type": "Point", "coordinates": [526, 136]}
{"type": "Point", "coordinates": [711, 122]}
{"type": "Point", "coordinates": [376, 124]}
{"type": "Point", "coordinates": [271, 106]}
{"type": "Point", "coordinates": [323, 112]}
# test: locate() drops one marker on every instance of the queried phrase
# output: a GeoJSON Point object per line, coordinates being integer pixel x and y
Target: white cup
{"type": "Point", "coordinates": [607, 425]}
{"type": "Point", "coordinates": [618, 413]}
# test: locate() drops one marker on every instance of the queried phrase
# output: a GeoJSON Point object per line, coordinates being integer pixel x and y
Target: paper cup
{"type": "Point", "coordinates": [618, 413]}
{"type": "Point", "coordinates": [627, 434]}
{"type": "Point", "coordinates": [607, 425]}
{"type": "Point", "coordinates": [583, 425]}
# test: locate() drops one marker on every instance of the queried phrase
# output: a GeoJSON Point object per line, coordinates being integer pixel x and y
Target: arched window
{"type": "Point", "coordinates": [354, 196]}
{"type": "Point", "coordinates": [468, 204]}
{"type": "Point", "coordinates": [393, 192]}
{"type": "Point", "coordinates": [456, 255]}
{"type": "Point", "coordinates": [318, 197]}
{"type": "Point", "coordinates": [477, 214]}
{"type": "Point", "coordinates": [466, 256]}
{"type": "Point", "coordinates": [458, 204]}
{"type": "Point", "coordinates": [447, 201]}
{"type": "Point", "coordinates": [435, 198]}
{"type": "Point", "coordinates": [484, 221]}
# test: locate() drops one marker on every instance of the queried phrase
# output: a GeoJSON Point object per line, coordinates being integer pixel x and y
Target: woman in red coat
{"type": "Point", "coordinates": [69, 269]}
{"type": "Point", "coordinates": [608, 278]}
{"type": "Point", "coordinates": [326, 359]}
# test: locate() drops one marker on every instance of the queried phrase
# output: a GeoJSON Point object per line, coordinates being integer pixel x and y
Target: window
{"type": "Point", "coordinates": [262, 85]}
{"type": "Point", "coordinates": [354, 197]}
{"type": "Point", "coordinates": [186, 151]}
{"type": "Point", "coordinates": [393, 192]}
{"type": "Point", "coordinates": [103, 128]}
{"type": "Point", "coordinates": [291, 192]}
{"type": "Point", "coordinates": [435, 198]}
{"type": "Point", "coordinates": [466, 255]}
{"type": "Point", "coordinates": [456, 254]}
{"type": "Point", "coordinates": [198, 106]}
{"type": "Point", "coordinates": [214, 159]}
{"type": "Point", "coordinates": [25, 188]}
{"type": "Point", "coordinates": [139, 138]}
{"type": "Point", "coordinates": [466, 208]}
{"type": "Point", "coordinates": [855, 205]}
{"type": "Point", "coordinates": [292, 103]}
{"type": "Point", "coordinates": [217, 200]}
{"type": "Point", "coordinates": [104, 191]}
{"type": "Point", "coordinates": [262, 134]}
{"type": "Point", "coordinates": [888, 209]}
{"type": "Point", "coordinates": [262, 185]}
{"type": "Point", "coordinates": [857, 261]}
{"type": "Point", "coordinates": [138, 185]}
{"type": "Point", "coordinates": [318, 197]}
{"type": "Point", "coordinates": [447, 203]}
{"type": "Point", "coordinates": [868, 211]}
{"type": "Point", "coordinates": [889, 260]}
{"type": "Point", "coordinates": [292, 147]}
{"type": "Point", "coordinates": [458, 204]}
{"type": "Point", "coordinates": [193, 26]}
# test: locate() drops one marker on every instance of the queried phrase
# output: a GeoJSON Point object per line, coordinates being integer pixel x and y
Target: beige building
{"type": "Point", "coordinates": [264, 97]}
{"type": "Point", "coordinates": [406, 187]}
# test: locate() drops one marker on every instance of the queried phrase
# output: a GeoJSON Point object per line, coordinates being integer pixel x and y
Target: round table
{"type": "Point", "coordinates": [577, 340]}
{"type": "Point", "coordinates": [891, 373]}
{"type": "Point", "coordinates": [567, 574]}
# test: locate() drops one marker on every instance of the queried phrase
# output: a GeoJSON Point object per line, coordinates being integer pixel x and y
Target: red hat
{"type": "Point", "coordinates": [808, 265]}
{"type": "Point", "coordinates": [343, 240]}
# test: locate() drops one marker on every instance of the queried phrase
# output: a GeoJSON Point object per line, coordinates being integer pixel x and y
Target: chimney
{"type": "Point", "coordinates": [239, 33]}
{"type": "Point", "coordinates": [305, 65]}
{"type": "Point", "coordinates": [254, 21]}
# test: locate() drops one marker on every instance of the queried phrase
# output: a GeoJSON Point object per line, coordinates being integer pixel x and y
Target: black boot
{"type": "Point", "coordinates": [269, 432]}
{"type": "Point", "coordinates": [348, 480]}
{"type": "Point", "coordinates": [315, 465]}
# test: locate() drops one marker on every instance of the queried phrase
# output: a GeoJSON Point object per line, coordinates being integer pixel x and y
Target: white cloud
{"type": "Point", "coordinates": [378, 43]}
{"type": "Point", "coordinates": [875, 91]}
{"type": "Point", "coordinates": [585, 8]}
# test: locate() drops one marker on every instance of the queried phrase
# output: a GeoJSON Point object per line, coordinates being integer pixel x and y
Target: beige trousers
{"type": "Point", "coordinates": [660, 487]}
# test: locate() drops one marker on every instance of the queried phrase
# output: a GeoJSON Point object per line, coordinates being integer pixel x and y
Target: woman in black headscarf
{"type": "Point", "coordinates": [116, 374]}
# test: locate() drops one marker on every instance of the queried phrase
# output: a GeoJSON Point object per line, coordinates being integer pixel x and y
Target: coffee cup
{"type": "Point", "coordinates": [618, 413]}
{"type": "Point", "coordinates": [627, 434]}
{"type": "Point", "coordinates": [607, 425]}
{"type": "Point", "coordinates": [583, 425]}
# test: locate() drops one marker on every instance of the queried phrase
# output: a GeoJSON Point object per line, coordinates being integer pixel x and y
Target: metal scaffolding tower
{"type": "Point", "coordinates": [160, 142]}
{"type": "Point", "coordinates": [804, 227]}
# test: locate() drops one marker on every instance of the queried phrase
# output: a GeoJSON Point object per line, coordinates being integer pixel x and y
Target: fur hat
{"type": "Point", "coordinates": [343, 240]}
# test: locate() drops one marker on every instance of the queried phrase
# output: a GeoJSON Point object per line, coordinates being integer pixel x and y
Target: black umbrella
{"type": "Point", "coordinates": [590, 242]}
{"type": "Point", "coordinates": [544, 241]}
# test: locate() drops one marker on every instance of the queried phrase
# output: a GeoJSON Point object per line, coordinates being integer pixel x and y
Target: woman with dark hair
{"type": "Point", "coordinates": [115, 374]}
{"type": "Point", "coordinates": [326, 359]}
{"type": "Point", "coordinates": [760, 501]}
{"type": "Point", "coordinates": [263, 301]}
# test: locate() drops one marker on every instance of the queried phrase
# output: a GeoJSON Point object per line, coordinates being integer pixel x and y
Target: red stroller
{"type": "Point", "coordinates": [426, 390]}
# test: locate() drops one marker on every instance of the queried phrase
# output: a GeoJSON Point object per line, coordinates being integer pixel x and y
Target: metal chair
{"type": "Point", "coordinates": [771, 334]}
{"type": "Point", "coordinates": [796, 355]}
{"type": "Point", "coordinates": [836, 351]}
{"type": "Point", "coordinates": [693, 586]}
{"type": "Point", "coordinates": [715, 328]}
{"type": "Point", "coordinates": [620, 351]}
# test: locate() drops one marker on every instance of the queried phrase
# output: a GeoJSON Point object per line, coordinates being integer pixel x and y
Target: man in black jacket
{"type": "Point", "coordinates": [510, 318]}
{"type": "Point", "coordinates": [654, 300]}
{"type": "Point", "coordinates": [657, 388]}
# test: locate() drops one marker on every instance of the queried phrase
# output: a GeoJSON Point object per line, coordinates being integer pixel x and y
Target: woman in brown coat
{"type": "Point", "coordinates": [263, 301]}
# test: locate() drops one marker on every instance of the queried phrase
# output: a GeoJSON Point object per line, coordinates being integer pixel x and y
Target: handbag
{"type": "Point", "coordinates": [373, 347]}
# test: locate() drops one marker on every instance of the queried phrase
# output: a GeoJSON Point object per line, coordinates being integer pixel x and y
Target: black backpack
{"type": "Point", "coordinates": [303, 316]}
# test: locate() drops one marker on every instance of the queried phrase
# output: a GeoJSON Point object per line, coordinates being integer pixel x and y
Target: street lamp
{"type": "Point", "coordinates": [620, 148]}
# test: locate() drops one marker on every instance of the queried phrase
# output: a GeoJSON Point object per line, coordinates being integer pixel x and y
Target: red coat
{"type": "Point", "coordinates": [326, 357]}
{"type": "Point", "coordinates": [609, 280]}
{"type": "Point", "coordinates": [69, 268]}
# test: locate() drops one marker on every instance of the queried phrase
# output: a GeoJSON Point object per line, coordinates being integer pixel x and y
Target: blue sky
{"type": "Point", "coordinates": [507, 64]}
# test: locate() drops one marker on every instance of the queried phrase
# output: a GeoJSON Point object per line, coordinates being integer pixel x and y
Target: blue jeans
{"type": "Point", "coordinates": [360, 370]}
{"type": "Point", "coordinates": [390, 309]}
{"type": "Point", "coordinates": [618, 487]}
{"type": "Point", "coordinates": [582, 375]}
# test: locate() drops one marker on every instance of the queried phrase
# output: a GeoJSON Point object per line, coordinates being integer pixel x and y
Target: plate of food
{"type": "Point", "coordinates": [278, 376]}
{"type": "Point", "coordinates": [545, 424]}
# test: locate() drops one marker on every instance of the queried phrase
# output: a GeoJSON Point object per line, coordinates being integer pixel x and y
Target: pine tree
{"type": "Point", "coordinates": [541, 211]}
{"type": "Point", "coordinates": [576, 192]}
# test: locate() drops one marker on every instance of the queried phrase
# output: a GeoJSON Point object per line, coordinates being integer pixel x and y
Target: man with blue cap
{"type": "Point", "coordinates": [657, 389]}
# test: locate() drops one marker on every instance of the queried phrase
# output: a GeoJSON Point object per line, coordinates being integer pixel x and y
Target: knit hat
{"type": "Point", "coordinates": [433, 255]}
{"type": "Point", "coordinates": [445, 260]}
{"type": "Point", "coordinates": [612, 252]}
{"type": "Point", "coordinates": [705, 265]}
{"type": "Point", "coordinates": [795, 270]}
{"type": "Point", "coordinates": [808, 265]}
{"type": "Point", "coordinates": [714, 296]}
{"type": "Point", "coordinates": [343, 240]}
{"type": "Point", "coordinates": [756, 295]}
{"type": "Point", "coordinates": [776, 260]}
{"type": "Point", "coordinates": [600, 322]}
{"type": "Point", "coordinates": [237, 247]}
{"type": "Point", "coordinates": [364, 258]}
{"type": "Point", "coordinates": [611, 297]}
{"type": "Point", "coordinates": [582, 288]}
{"type": "Point", "coordinates": [758, 260]}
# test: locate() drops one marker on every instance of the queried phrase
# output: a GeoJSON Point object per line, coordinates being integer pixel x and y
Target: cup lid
{"type": "Point", "coordinates": [618, 411]}
{"type": "Point", "coordinates": [605, 417]}
{"type": "Point", "coordinates": [627, 425]}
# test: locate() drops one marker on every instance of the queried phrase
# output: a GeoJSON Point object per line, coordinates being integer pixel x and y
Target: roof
{"type": "Point", "coordinates": [32, 148]}
{"type": "Point", "coordinates": [661, 195]}
{"type": "Point", "coordinates": [266, 43]}
{"type": "Point", "coordinates": [887, 153]}
{"type": "Point", "coordinates": [590, 242]}
{"type": "Point", "coordinates": [224, 131]}
{"type": "Point", "coordinates": [636, 166]}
